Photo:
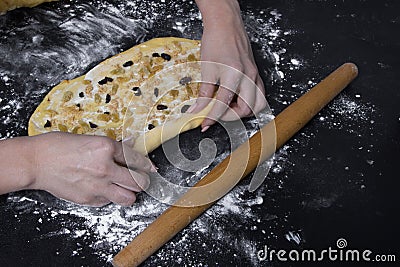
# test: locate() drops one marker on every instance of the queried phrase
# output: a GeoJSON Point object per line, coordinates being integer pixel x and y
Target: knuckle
{"type": "Point", "coordinates": [107, 145]}
{"type": "Point", "coordinates": [103, 145]}
{"type": "Point", "coordinates": [101, 170]}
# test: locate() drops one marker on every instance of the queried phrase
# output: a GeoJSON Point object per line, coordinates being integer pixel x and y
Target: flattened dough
{"type": "Point", "coordinates": [139, 94]}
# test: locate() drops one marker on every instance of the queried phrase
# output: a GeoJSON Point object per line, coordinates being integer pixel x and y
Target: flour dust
{"type": "Point", "coordinates": [90, 31]}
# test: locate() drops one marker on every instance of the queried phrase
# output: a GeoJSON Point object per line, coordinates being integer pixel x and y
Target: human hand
{"type": "Point", "coordinates": [225, 41]}
{"type": "Point", "coordinates": [88, 170]}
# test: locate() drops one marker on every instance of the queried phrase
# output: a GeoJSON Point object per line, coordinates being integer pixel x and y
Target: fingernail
{"type": "Point", "coordinates": [205, 128]}
{"type": "Point", "coordinates": [153, 167]}
{"type": "Point", "coordinates": [191, 108]}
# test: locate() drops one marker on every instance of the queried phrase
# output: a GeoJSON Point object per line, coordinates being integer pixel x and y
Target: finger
{"type": "Point", "coordinates": [206, 93]}
{"type": "Point", "coordinates": [207, 87]}
{"type": "Point", "coordinates": [126, 156]}
{"type": "Point", "coordinates": [229, 84]}
{"type": "Point", "coordinates": [245, 102]}
{"type": "Point", "coordinates": [133, 180]}
{"type": "Point", "coordinates": [119, 195]}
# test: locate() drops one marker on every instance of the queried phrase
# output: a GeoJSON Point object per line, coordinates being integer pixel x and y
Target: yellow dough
{"type": "Point", "coordinates": [6, 5]}
{"type": "Point", "coordinates": [138, 94]}
{"type": "Point", "coordinates": [153, 139]}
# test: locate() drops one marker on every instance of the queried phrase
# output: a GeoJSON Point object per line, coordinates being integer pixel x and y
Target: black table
{"type": "Point", "coordinates": [334, 180]}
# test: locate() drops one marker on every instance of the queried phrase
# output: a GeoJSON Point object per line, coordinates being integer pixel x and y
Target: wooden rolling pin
{"type": "Point", "coordinates": [287, 123]}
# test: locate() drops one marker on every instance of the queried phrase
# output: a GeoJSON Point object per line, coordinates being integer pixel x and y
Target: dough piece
{"type": "Point", "coordinates": [6, 5]}
{"type": "Point", "coordinates": [129, 96]}
{"type": "Point", "coordinates": [153, 139]}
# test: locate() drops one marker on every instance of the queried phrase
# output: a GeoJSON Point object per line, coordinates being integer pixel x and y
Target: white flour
{"type": "Point", "coordinates": [112, 227]}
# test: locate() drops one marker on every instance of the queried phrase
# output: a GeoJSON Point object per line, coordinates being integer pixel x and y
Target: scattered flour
{"type": "Point", "coordinates": [94, 30]}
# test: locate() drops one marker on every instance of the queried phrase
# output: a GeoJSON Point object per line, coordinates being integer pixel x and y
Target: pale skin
{"type": "Point", "coordinates": [89, 170]}
{"type": "Point", "coordinates": [92, 170]}
{"type": "Point", "coordinates": [225, 41]}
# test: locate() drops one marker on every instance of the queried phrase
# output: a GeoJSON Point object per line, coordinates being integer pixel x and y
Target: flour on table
{"type": "Point", "coordinates": [106, 26]}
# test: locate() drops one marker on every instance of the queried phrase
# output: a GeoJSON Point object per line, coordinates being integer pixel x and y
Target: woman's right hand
{"type": "Point", "coordinates": [89, 170]}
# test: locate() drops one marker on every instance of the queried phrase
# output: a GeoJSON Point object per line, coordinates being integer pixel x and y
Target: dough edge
{"type": "Point", "coordinates": [149, 141]}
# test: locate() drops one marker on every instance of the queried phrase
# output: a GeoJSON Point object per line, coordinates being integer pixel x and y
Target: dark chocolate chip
{"type": "Point", "coordinates": [151, 126]}
{"type": "Point", "coordinates": [128, 63]}
{"type": "Point", "coordinates": [156, 55]}
{"type": "Point", "coordinates": [109, 79]}
{"type": "Point", "coordinates": [135, 88]}
{"type": "Point", "coordinates": [81, 94]}
{"type": "Point", "coordinates": [185, 108]}
{"type": "Point", "coordinates": [106, 112]}
{"type": "Point", "coordinates": [47, 124]}
{"type": "Point", "coordinates": [185, 80]}
{"type": "Point", "coordinates": [166, 56]}
{"type": "Point", "coordinates": [161, 107]}
{"type": "Point", "coordinates": [108, 98]}
{"type": "Point", "coordinates": [78, 105]}
{"type": "Point", "coordinates": [156, 92]}
{"type": "Point", "coordinates": [92, 125]}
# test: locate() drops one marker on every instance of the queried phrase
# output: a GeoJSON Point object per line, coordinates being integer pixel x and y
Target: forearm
{"type": "Point", "coordinates": [16, 164]}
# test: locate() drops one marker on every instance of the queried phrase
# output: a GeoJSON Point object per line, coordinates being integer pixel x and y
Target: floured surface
{"type": "Point", "coordinates": [238, 225]}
